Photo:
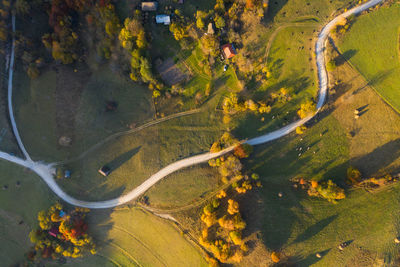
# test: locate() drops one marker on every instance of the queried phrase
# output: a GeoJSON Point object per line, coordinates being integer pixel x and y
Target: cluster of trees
{"type": "Point", "coordinates": [222, 229]}
{"type": "Point", "coordinates": [133, 39]}
{"type": "Point", "coordinates": [104, 26]}
{"type": "Point", "coordinates": [327, 190]}
{"type": "Point", "coordinates": [5, 8]}
{"type": "Point", "coordinates": [231, 105]}
{"type": "Point", "coordinates": [63, 41]}
{"type": "Point", "coordinates": [341, 27]}
{"type": "Point", "coordinates": [61, 233]}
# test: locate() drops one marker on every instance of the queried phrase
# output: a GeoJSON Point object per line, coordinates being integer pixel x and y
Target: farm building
{"type": "Point", "coordinates": [163, 19]}
{"type": "Point", "coordinates": [149, 6]}
{"type": "Point", "coordinates": [228, 50]}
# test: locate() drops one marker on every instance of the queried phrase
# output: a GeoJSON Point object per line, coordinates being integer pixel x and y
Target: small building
{"type": "Point", "coordinates": [67, 174]}
{"type": "Point", "coordinates": [181, 2]}
{"type": "Point", "coordinates": [105, 171]}
{"type": "Point", "coordinates": [149, 6]}
{"type": "Point", "coordinates": [61, 213]}
{"type": "Point", "coordinates": [228, 50]}
{"type": "Point", "coordinates": [210, 28]}
{"type": "Point", "coordinates": [163, 19]}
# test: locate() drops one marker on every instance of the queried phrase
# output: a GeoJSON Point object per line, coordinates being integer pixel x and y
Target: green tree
{"type": "Point", "coordinates": [219, 22]}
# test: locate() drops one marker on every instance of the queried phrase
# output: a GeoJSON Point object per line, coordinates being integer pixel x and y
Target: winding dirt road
{"type": "Point", "coordinates": [46, 171]}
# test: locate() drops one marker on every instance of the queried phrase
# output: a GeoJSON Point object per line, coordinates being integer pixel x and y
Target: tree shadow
{"type": "Point", "coordinates": [379, 158]}
{"type": "Point", "coordinates": [308, 261]}
{"type": "Point", "coordinates": [274, 6]}
{"type": "Point", "coordinates": [345, 56]}
{"type": "Point", "coordinates": [381, 76]}
{"type": "Point", "coordinates": [315, 229]}
{"type": "Point", "coordinates": [121, 159]}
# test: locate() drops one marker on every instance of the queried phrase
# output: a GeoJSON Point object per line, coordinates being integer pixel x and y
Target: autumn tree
{"type": "Point", "coordinates": [306, 109]}
{"type": "Point", "coordinates": [243, 150]}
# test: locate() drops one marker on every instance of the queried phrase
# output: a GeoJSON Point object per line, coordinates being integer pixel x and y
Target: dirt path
{"type": "Point", "coordinates": [46, 171]}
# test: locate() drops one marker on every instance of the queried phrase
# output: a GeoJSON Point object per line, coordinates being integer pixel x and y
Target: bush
{"type": "Point", "coordinates": [330, 191]}
{"type": "Point", "coordinates": [331, 65]}
{"type": "Point", "coordinates": [353, 175]}
{"type": "Point", "coordinates": [275, 257]}
{"type": "Point", "coordinates": [243, 150]}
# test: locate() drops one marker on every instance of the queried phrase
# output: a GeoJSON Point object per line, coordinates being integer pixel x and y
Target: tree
{"type": "Point", "coordinates": [178, 31]}
{"type": "Point", "coordinates": [200, 16]}
{"type": "Point", "coordinates": [233, 207]}
{"type": "Point", "coordinates": [331, 65]}
{"type": "Point", "coordinates": [300, 129]}
{"type": "Point", "coordinates": [219, 22]}
{"type": "Point", "coordinates": [210, 45]}
{"type": "Point", "coordinates": [353, 175]}
{"type": "Point", "coordinates": [243, 150]}
{"type": "Point", "coordinates": [236, 237]}
{"type": "Point", "coordinates": [231, 166]}
{"type": "Point", "coordinates": [330, 191]}
{"type": "Point", "coordinates": [275, 257]}
{"type": "Point", "coordinates": [306, 109]}
{"type": "Point", "coordinates": [145, 70]}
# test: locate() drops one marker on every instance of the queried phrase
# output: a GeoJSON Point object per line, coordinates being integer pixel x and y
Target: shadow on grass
{"type": "Point", "coordinates": [315, 229]}
{"type": "Point", "coordinates": [121, 159]}
{"type": "Point", "coordinates": [274, 6]}
{"type": "Point", "coordinates": [298, 261]}
{"type": "Point", "coordinates": [379, 158]}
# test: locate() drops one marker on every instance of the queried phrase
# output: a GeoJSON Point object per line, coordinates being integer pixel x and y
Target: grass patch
{"type": "Point", "coordinates": [50, 107]}
{"type": "Point", "coordinates": [133, 237]}
{"type": "Point", "coordinates": [375, 39]}
{"type": "Point", "coordinates": [19, 204]}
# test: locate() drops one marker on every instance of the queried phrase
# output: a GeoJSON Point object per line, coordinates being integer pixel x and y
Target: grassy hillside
{"type": "Point", "coordinates": [374, 38]}
{"type": "Point", "coordinates": [301, 226]}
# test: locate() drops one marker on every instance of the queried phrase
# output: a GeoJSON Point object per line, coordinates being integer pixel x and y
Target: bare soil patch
{"type": "Point", "coordinates": [170, 73]}
{"type": "Point", "coordinates": [70, 85]}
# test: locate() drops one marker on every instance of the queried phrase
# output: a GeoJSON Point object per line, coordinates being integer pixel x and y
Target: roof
{"type": "Point", "coordinates": [54, 231]}
{"type": "Point", "coordinates": [149, 6]}
{"type": "Point", "coordinates": [229, 50]}
{"type": "Point", "coordinates": [165, 19]}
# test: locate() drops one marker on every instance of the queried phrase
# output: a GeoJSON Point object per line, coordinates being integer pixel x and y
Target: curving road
{"type": "Point", "coordinates": [46, 171]}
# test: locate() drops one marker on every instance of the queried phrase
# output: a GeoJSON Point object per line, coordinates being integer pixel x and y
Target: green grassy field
{"type": "Point", "coordinates": [301, 226]}
{"type": "Point", "coordinates": [374, 38]}
{"type": "Point", "coordinates": [127, 237]}
{"type": "Point", "coordinates": [47, 109]}
{"type": "Point", "coordinates": [133, 237]}
{"type": "Point", "coordinates": [19, 204]}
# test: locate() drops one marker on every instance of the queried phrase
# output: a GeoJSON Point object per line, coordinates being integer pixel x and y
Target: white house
{"type": "Point", "coordinates": [165, 19]}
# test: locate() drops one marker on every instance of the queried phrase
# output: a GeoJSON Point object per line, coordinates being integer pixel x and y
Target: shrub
{"type": "Point", "coordinates": [233, 207]}
{"type": "Point", "coordinates": [306, 109]}
{"type": "Point", "coordinates": [236, 237]}
{"type": "Point", "coordinates": [330, 191]}
{"type": "Point", "coordinates": [275, 257]}
{"type": "Point", "coordinates": [301, 129]}
{"type": "Point", "coordinates": [353, 175]}
{"type": "Point", "coordinates": [243, 150]}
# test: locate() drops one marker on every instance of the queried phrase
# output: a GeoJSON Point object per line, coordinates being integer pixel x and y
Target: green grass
{"type": "Point", "coordinates": [181, 189]}
{"type": "Point", "coordinates": [291, 68]}
{"type": "Point", "coordinates": [37, 107]}
{"type": "Point", "coordinates": [135, 157]}
{"type": "Point", "coordinates": [374, 38]}
{"type": "Point", "coordinates": [300, 225]}
{"type": "Point", "coordinates": [19, 204]}
{"type": "Point", "coordinates": [133, 237]}
{"type": "Point", "coordinates": [128, 237]}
